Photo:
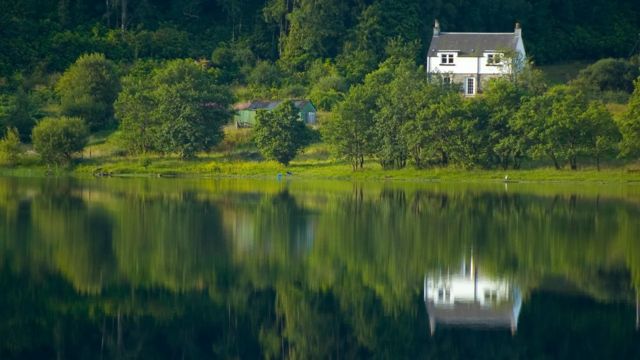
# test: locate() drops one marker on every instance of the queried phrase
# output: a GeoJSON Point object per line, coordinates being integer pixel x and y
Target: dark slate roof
{"type": "Point", "coordinates": [472, 44]}
{"type": "Point", "coordinates": [268, 104]}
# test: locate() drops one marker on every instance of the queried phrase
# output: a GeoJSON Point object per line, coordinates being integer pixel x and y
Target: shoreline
{"type": "Point", "coordinates": [319, 170]}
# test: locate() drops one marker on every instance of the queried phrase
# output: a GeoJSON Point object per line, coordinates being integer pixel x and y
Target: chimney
{"type": "Point", "coordinates": [518, 30]}
{"type": "Point", "coordinates": [436, 28]}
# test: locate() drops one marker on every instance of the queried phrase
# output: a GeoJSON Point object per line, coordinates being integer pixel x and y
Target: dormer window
{"type": "Point", "coordinates": [446, 59]}
{"type": "Point", "coordinates": [494, 59]}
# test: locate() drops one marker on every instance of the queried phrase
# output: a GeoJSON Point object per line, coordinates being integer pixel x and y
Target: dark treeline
{"type": "Point", "coordinates": [49, 35]}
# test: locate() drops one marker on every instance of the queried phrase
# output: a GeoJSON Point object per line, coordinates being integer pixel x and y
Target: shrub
{"type": "Point", "coordinates": [57, 139]}
{"type": "Point", "coordinates": [10, 148]}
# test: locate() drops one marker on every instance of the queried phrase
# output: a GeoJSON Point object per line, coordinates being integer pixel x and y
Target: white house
{"type": "Point", "coordinates": [471, 59]}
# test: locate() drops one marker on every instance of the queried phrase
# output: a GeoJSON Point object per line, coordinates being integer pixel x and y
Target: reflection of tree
{"type": "Point", "coordinates": [77, 237]}
{"type": "Point", "coordinates": [174, 243]}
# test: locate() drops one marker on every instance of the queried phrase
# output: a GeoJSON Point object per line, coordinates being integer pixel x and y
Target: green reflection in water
{"type": "Point", "coordinates": [122, 268]}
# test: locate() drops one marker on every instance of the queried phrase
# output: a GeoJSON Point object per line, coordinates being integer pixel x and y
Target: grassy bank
{"type": "Point", "coordinates": [237, 157]}
{"type": "Point", "coordinates": [213, 166]}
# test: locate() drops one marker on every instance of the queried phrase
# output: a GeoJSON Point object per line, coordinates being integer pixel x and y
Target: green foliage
{"type": "Point", "coordinates": [266, 74]}
{"type": "Point", "coordinates": [234, 60]}
{"type": "Point", "coordinates": [351, 131]}
{"type": "Point", "coordinates": [280, 134]}
{"type": "Point", "coordinates": [133, 109]}
{"type": "Point", "coordinates": [328, 91]}
{"type": "Point", "coordinates": [20, 111]}
{"type": "Point", "coordinates": [314, 31]}
{"type": "Point", "coordinates": [503, 99]}
{"type": "Point", "coordinates": [609, 75]}
{"type": "Point", "coordinates": [178, 107]}
{"type": "Point", "coordinates": [57, 139]}
{"type": "Point", "coordinates": [10, 148]}
{"type": "Point", "coordinates": [88, 89]}
{"type": "Point", "coordinates": [563, 124]}
{"type": "Point", "coordinates": [398, 85]}
{"type": "Point", "coordinates": [630, 125]}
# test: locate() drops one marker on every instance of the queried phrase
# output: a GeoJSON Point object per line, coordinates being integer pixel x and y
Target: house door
{"type": "Point", "coordinates": [470, 86]}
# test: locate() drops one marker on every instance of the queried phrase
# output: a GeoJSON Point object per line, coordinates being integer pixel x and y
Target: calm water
{"type": "Point", "coordinates": [156, 268]}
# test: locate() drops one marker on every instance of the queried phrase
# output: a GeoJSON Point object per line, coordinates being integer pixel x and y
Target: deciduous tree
{"type": "Point", "coordinates": [88, 89]}
{"type": "Point", "coordinates": [280, 134]}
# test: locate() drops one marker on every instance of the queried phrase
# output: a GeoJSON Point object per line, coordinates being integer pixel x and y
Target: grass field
{"type": "Point", "coordinates": [220, 166]}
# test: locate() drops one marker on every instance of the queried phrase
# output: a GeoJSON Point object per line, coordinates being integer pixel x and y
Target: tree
{"type": "Point", "coordinates": [602, 130]}
{"type": "Point", "coordinates": [133, 109]}
{"type": "Point", "coordinates": [629, 125]}
{"type": "Point", "coordinates": [20, 111]}
{"type": "Point", "coordinates": [314, 31]}
{"type": "Point", "coordinates": [280, 134]}
{"type": "Point", "coordinates": [191, 105]}
{"type": "Point", "coordinates": [503, 98]}
{"type": "Point", "coordinates": [400, 88]}
{"type": "Point", "coordinates": [178, 107]}
{"type": "Point", "coordinates": [442, 131]}
{"type": "Point", "coordinates": [57, 139]}
{"type": "Point", "coordinates": [88, 89]}
{"type": "Point", "coordinates": [563, 125]}
{"type": "Point", "coordinates": [10, 147]}
{"type": "Point", "coordinates": [351, 132]}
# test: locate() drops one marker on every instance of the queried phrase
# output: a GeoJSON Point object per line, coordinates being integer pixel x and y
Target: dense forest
{"type": "Point", "coordinates": [49, 35]}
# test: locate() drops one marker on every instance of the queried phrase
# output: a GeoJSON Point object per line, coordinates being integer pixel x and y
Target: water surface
{"type": "Point", "coordinates": [168, 268]}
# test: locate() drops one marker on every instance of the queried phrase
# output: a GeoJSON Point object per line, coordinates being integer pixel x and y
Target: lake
{"type": "Point", "coordinates": [204, 268]}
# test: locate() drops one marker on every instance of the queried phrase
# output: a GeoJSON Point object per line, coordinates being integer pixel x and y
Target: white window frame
{"type": "Point", "coordinates": [491, 59]}
{"type": "Point", "coordinates": [473, 86]}
{"type": "Point", "coordinates": [447, 59]}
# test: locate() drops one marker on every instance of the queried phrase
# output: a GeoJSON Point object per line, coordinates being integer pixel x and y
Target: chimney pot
{"type": "Point", "coordinates": [436, 28]}
{"type": "Point", "coordinates": [518, 30]}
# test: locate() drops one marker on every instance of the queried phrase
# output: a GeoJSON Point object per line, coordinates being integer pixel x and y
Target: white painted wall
{"type": "Point", "coordinates": [461, 65]}
{"type": "Point", "coordinates": [471, 65]}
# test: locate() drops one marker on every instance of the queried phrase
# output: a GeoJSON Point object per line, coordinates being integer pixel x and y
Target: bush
{"type": "Point", "coordinates": [609, 75]}
{"type": "Point", "coordinates": [57, 139]}
{"type": "Point", "coordinates": [10, 148]}
{"type": "Point", "coordinates": [88, 89]}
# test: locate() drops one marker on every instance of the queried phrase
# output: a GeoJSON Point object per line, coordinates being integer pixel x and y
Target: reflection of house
{"type": "Point", "coordinates": [246, 112]}
{"type": "Point", "coordinates": [467, 298]}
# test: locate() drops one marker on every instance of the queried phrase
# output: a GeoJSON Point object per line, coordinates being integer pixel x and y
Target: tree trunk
{"type": "Point", "coordinates": [444, 159]}
{"type": "Point", "coordinates": [574, 162]}
{"type": "Point", "coordinates": [555, 161]}
{"type": "Point", "coordinates": [123, 19]}
{"type": "Point", "coordinates": [598, 161]}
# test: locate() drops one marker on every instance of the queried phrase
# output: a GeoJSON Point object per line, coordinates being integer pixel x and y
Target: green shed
{"type": "Point", "coordinates": [246, 112]}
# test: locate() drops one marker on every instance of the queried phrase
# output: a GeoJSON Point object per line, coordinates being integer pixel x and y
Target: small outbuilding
{"type": "Point", "coordinates": [246, 112]}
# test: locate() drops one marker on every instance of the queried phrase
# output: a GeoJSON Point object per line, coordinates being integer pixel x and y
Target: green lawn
{"type": "Point", "coordinates": [217, 165]}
